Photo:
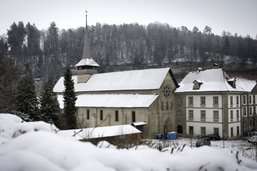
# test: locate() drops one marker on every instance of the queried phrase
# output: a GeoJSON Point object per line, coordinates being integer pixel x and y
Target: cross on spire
{"type": "Point", "coordinates": [86, 19]}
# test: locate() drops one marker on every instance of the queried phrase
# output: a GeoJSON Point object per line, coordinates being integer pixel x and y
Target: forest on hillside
{"type": "Point", "coordinates": [49, 51]}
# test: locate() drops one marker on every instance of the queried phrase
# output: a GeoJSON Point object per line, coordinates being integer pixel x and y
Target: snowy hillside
{"type": "Point", "coordinates": [42, 149]}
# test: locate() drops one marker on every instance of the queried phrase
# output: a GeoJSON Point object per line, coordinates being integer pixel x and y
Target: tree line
{"type": "Point", "coordinates": [49, 51]}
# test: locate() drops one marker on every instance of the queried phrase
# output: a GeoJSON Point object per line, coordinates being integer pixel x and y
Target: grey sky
{"type": "Point", "coordinates": [235, 16]}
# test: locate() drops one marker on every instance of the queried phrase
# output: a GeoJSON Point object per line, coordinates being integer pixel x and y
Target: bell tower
{"type": "Point", "coordinates": [86, 66]}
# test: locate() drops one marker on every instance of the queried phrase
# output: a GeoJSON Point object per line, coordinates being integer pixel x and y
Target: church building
{"type": "Point", "coordinates": [143, 98]}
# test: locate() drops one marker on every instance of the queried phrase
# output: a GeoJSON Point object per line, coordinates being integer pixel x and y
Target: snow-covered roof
{"type": "Point", "coordinates": [147, 79]}
{"type": "Point", "coordinates": [245, 84]}
{"type": "Point", "coordinates": [112, 100]}
{"type": "Point", "coordinates": [99, 132]}
{"type": "Point", "coordinates": [87, 62]}
{"type": "Point", "coordinates": [212, 80]}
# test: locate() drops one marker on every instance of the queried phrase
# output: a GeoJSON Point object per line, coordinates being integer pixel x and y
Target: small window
{"type": "Point", "coordinates": [203, 115]}
{"type": "Point", "coordinates": [237, 100]}
{"type": "Point", "coordinates": [250, 99]}
{"type": "Point", "coordinates": [244, 111]}
{"type": "Point", "coordinates": [190, 101]}
{"type": "Point", "coordinates": [237, 131]}
{"type": "Point", "coordinates": [231, 116]}
{"type": "Point", "coordinates": [190, 115]}
{"type": "Point", "coordinates": [203, 130]}
{"type": "Point", "coordinates": [191, 130]}
{"type": "Point", "coordinates": [216, 131]}
{"type": "Point", "coordinates": [231, 100]}
{"type": "Point", "coordinates": [133, 116]}
{"type": "Point", "coordinates": [88, 114]}
{"type": "Point", "coordinates": [232, 131]}
{"type": "Point", "coordinates": [237, 115]}
{"type": "Point", "coordinates": [167, 105]}
{"type": "Point", "coordinates": [202, 101]}
{"type": "Point", "coordinates": [116, 116]}
{"type": "Point", "coordinates": [244, 99]}
{"type": "Point", "coordinates": [215, 101]}
{"type": "Point", "coordinates": [216, 116]}
{"type": "Point", "coordinates": [101, 114]}
{"type": "Point", "coordinates": [197, 85]}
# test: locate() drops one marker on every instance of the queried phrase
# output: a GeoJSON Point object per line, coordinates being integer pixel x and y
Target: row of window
{"type": "Point", "coordinates": [216, 100]}
{"type": "Point", "coordinates": [215, 115]}
{"type": "Point", "coordinates": [166, 106]}
{"type": "Point", "coordinates": [203, 115]}
{"type": "Point", "coordinates": [116, 116]}
{"type": "Point", "coordinates": [251, 99]}
{"type": "Point", "coordinates": [215, 131]}
{"type": "Point", "coordinates": [252, 110]}
{"type": "Point", "coordinates": [203, 101]}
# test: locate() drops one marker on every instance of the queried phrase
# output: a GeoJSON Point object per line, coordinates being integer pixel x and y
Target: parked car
{"type": "Point", "coordinates": [214, 137]}
{"type": "Point", "coordinates": [253, 139]}
{"type": "Point", "coordinates": [203, 141]}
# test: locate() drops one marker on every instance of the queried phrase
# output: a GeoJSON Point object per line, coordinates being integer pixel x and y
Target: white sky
{"type": "Point", "coordinates": [235, 16]}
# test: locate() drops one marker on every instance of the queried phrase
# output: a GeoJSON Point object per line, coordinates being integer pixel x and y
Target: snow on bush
{"type": "Point", "coordinates": [48, 151]}
{"type": "Point", "coordinates": [7, 123]}
{"type": "Point", "coordinates": [25, 127]}
{"type": "Point", "coordinates": [12, 126]}
{"type": "Point", "coordinates": [39, 149]}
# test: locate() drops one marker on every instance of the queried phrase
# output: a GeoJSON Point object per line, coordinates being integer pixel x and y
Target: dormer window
{"type": "Point", "coordinates": [232, 82]}
{"type": "Point", "coordinates": [197, 84]}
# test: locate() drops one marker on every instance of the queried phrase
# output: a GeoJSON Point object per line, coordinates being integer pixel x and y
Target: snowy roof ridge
{"type": "Point", "coordinates": [87, 62]}
{"type": "Point", "coordinates": [212, 79]}
{"type": "Point", "coordinates": [112, 100]}
{"type": "Point", "coordinates": [146, 79]}
{"type": "Point", "coordinates": [100, 132]}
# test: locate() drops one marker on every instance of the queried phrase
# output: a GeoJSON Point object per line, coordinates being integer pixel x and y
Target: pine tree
{"type": "Point", "coordinates": [26, 100]}
{"type": "Point", "coordinates": [49, 107]}
{"type": "Point", "coordinates": [70, 98]}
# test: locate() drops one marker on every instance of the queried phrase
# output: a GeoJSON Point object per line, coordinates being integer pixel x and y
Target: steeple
{"type": "Point", "coordinates": [86, 66]}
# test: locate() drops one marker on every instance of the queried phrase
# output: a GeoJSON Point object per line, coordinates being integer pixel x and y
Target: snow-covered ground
{"type": "Point", "coordinates": [38, 147]}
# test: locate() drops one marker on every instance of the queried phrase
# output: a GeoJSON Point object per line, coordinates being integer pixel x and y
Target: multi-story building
{"type": "Point", "coordinates": [248, 106]}
{"type": "Point", "coordinates": [210, 102]}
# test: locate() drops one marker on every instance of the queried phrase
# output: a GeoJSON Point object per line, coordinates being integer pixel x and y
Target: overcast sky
{"type": "Point", "coordinates": [235, 16]}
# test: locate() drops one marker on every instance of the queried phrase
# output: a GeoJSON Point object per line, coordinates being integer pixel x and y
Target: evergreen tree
{"type": "Point", "coordinates": [26, 100]}
{"type": "Point", "coordinates": [49, 107]}
{"type": "Point", "coordinates": [70, 98]}
{"type": "Point", "coordinates": [8, 84]}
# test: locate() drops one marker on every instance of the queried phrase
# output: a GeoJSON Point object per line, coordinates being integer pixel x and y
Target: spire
{"type": "Point", "coordinates": [86, 61]}
{"type": "Point", "coordinates": [86, 49]}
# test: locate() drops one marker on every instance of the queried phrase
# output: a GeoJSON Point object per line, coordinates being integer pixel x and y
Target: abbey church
{"type": "Point", "coordinates": [143, 98]}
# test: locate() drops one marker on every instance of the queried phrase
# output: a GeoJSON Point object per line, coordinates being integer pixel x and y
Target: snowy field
{"type": "Point", "coordinates": [37, 146]}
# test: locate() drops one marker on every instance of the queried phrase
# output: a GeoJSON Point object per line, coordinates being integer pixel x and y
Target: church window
{"type": "Point", "coordinates": [133, 116]}
{"type": "Point", "coordinates": [166, 91]}
{"type": "Point", "coordinates": [101, 114]}
{"type": "Point", "coordinates": [88, 114]}
{"type": "Point", "coordinates": [116, 116]}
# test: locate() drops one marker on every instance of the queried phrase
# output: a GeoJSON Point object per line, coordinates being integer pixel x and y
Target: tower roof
{"type": "Point", "coordinates": [86, 58]}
